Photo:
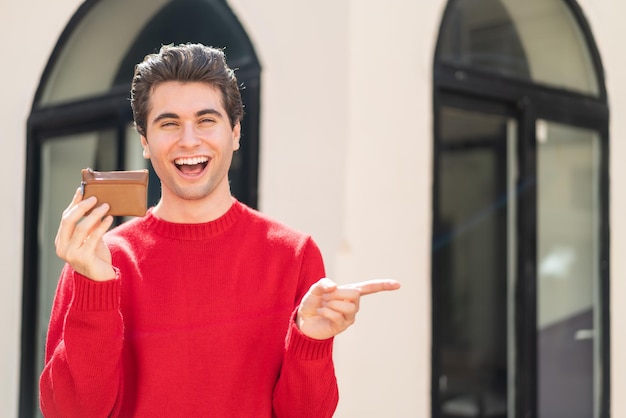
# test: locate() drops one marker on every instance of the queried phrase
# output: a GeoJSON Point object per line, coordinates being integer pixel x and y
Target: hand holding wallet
{"type": "Point", "coordinates": [126, 192]}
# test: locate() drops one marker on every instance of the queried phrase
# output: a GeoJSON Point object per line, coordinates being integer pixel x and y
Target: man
{"type": "Point", "coordinates": [203, 307]}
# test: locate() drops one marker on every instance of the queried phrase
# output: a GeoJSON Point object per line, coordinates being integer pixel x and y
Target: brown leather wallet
{"type": "Point", "coordinates": [126, 192]}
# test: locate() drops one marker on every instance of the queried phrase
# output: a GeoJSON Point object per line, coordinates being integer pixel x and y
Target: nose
{"type": "Point", "coordinates": [189, 137]}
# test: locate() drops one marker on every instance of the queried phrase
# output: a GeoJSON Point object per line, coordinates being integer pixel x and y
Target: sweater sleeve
{"type": "Point", "coordinates": [307, 385]}
{"type": "Point", "coordinates": [82, 374]}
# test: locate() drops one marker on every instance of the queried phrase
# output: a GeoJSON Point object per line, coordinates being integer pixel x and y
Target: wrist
{"type": "Point", "coordinates": [91, 295]}
{"type": "Point", "coordinates": [104, 276]}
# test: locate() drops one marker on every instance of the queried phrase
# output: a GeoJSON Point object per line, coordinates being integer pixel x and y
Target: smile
{"type": "Point", "coordinates": [191, 165]}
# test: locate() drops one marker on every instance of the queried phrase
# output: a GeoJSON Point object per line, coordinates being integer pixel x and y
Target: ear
{"type": "Point", "coordinates": [236, 136]}
{"type": "Point", "coordinates": [146, 149]}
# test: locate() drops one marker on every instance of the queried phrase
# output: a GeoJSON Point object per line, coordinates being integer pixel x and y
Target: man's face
{"type": "Point", "coordinates": [189, 141]}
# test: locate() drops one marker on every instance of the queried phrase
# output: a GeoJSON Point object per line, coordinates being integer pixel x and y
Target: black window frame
{"type": "Point", "coordinates": [471, 88]}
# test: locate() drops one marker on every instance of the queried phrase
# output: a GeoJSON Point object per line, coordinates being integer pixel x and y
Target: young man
{"type": "Point", "coordinates": [203, 307]}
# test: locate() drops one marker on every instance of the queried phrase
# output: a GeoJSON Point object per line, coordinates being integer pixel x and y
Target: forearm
{"type": "Point", "coordinates": [82, 375]}
{"type": "Point", "coordinates": [307, 387]}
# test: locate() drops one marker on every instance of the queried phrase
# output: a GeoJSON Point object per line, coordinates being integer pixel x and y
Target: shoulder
{"type": "Point", "coordinates": [276, 232]}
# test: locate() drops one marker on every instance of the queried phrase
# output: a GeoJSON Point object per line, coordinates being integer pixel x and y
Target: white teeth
{"type": "Point", "coordinates": [191, 161]}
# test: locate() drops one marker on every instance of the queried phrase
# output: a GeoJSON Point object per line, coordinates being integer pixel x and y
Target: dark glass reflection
{"type": "Point", "coordinates": [470, 265]}
{"type": "Point", "coordinates": [481, 34]}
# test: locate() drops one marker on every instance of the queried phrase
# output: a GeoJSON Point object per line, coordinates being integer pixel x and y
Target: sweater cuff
{"type": "Point", "coordinates": [305, 348]}
{"type": "Point", "coordinates": [90, 295]}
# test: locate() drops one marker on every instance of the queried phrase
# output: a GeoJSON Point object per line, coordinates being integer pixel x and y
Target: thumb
{"type": "Point", "coordinates": [323, 285]}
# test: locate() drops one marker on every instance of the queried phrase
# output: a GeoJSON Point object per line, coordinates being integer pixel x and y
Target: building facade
{"type": "Point", "coordinates": [467, 148]}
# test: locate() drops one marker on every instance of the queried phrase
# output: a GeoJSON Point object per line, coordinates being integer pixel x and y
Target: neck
{"type": "Point", "coordinates": [182, 211]}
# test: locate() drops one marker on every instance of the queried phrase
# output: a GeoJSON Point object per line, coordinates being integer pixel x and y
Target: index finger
{"type": "Point", "coordinates": [70, 216]}
{"type": "Point", "coordinates": [373, 286]}
{"type": "Point", "coordinates": [78, 196]}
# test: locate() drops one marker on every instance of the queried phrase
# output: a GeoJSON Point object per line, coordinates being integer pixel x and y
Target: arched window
{"type": "Point", "coordinates": [520, 226]}
{"type": "Point", "coordinates": [81, 117]}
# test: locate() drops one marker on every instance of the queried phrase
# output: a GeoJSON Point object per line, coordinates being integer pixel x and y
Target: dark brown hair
{"type": "Point", "coordinates": [184, 63]}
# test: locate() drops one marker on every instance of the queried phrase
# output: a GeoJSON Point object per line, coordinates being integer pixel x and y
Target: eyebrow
{"type": "Point", "coordinates": [165, 116]}
{"type": "Point", "coordinates": [209, 112]}
{"type": "Point", "coordinates": [170, 115]}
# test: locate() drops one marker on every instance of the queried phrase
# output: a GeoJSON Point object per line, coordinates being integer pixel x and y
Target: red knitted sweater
{"type": "Point", "coordinates": [197, 323]}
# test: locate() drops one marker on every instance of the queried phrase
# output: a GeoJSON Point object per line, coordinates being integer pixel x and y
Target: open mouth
{"type": "Point", "coordinates": [191, 165]}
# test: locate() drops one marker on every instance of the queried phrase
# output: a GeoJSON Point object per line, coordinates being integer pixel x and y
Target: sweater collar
{"type": "Point", "coordinates": [198, 231]}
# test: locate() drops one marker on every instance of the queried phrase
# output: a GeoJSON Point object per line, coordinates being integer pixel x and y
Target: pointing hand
{"type": "Point", "coordinates": [328, 309]}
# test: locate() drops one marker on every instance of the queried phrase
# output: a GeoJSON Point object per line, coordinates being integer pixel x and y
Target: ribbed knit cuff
{"type": "Point", "coordinates": [90, 295]}
{"type": "Point", "coordinates": [306, 348]}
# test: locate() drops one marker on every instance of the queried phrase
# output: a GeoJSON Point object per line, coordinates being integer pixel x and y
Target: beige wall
{"type": "Point", "coordinates": [385, 360]}
{"type": "Point", "coordinates": [30, 31]}
{"type": "Point", "coordinates": [346, 155]}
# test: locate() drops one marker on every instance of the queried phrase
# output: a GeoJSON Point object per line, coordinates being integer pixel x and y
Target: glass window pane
{"type": "Point", "coordinates": [91, 56]}
{"type": "Point", "coordinates": [568, 278]}
{"type": "Point", "coordinates": [61, 161]}
{"type": "Point", "coordinates": [533, 40]}
{"type": "Point", "coordinates": [133, 150]}
{"type": "Point", "coordinates": [471, 258]}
